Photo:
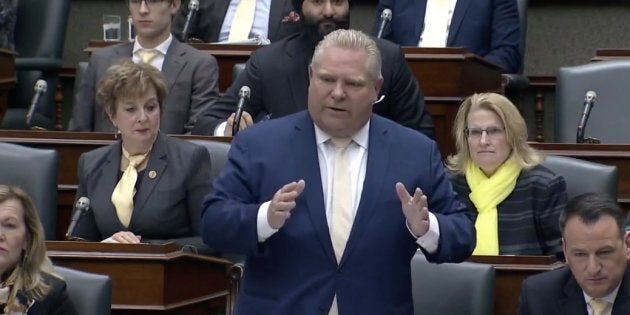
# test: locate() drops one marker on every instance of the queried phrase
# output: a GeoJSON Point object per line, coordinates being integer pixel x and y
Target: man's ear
{"type": "Point", "coordinates": [175, 6]}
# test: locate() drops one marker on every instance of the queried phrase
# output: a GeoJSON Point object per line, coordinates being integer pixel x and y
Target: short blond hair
{"type": "Point", "coordinates": [128, 80]}
{"type": "Point", "coordinates": [355, 40]}
{"type": "Point", "coordinates": [515, 131]}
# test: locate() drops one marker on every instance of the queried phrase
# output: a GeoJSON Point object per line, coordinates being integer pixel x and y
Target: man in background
{"type": "Point", "coordinates": [191, 75]}
{"type": "Point", "coordinates": [597, 279]}
{"type": "Point", "coordinates": [278, 77]}
{"type": "Point", "coordinates": [238, 20]}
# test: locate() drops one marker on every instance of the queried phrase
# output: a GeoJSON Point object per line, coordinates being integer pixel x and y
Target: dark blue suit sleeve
{"type": "Point", "coordinates": [506, 36]}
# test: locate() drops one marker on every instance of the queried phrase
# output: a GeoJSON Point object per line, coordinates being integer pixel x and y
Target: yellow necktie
{"type": "Point", "coordinates": [598, 306]}
{"type": "Point", "coordinates": [243, 20]}
{"type": "Point", "coordinates": [342, 215]}
{"type": "Point", "coordinates": [436, 23]}
{"type": "Point", "coordinates": [147, 55]}
{"type": "Point", "coordinates": [122, 197]}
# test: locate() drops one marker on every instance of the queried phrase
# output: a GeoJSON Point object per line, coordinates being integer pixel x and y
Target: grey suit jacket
{"type": "Point", "coordinates": [167, 206]}
{"type": "Point", "coordinates": [207, 23]}
{"type": "Point", "coordinates": [191, 78]}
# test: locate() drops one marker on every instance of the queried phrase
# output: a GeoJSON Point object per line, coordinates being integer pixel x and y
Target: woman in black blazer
{"type": "Point", "coordinates": [172, 175]}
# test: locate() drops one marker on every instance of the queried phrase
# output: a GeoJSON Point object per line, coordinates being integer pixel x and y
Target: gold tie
{"type": "Point", "coordinates": [436, 24]}
{"type": "Point", "coordinates": [122, 197]}
{"type": "Point", "coordinates": [243, 20]}
{"type": "Point", "coordinates": [341, 214]}
{"type": "Point", "coordinates": [598, 306]}
{"type": "Point", "coordinates": [147, 55]}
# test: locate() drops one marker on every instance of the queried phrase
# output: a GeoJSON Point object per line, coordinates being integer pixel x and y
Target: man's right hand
{"type": "Point", "coordinates": [246, 121]}
{"type": "Point", "coordinates": [283, 202]}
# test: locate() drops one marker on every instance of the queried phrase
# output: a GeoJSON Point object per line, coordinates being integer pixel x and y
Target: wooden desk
{"type": "Point", "coordinates": [69, 146]}
{"type": "Point", "coordinates": [445, 75]}
{"type": "Point", "coordinates": [152, 279]}
{"type": "Point", "coordinates": [510, 271]}
{"type": "Point", "coordinates": [7, 78]}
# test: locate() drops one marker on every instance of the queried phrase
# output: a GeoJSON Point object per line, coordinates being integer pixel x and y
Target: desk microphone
{"type": "Point", "coordinates": [589, 102]}
{"type": "Point", "coordinates": [386, 16]}
{"type": "Point", "coordinates": [40, 88]}
{"type": "Point", "coordinates": [193, 6]}
{"type": "Point", "coordinates": [243, 96]}
{"type": "Point", "coordinates": [82, 206]}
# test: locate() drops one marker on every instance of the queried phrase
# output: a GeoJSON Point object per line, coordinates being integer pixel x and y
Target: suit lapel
{"type": "Point", "coordinates": [106, 181]}
{"type": "Point", "coordinates": [419, 27]}
{"type": "Point", "coordinates": [275, 18]}
{"type": "Point", "coordinates": [307, 155]}
{"type": "Point", "coordinates": [573, 301]}
{"type": "Point", "coordinates": [622, 301]}
{"type": "Point", "coordinates": [376, 169]}
{"type": "Point", "coordinates": [173, 64]}
{"type": "Point", "coordinates": [157, 163]}
{"type": "Point", "coordinates": [456, 21]}
{"type": "Point", "coordinates": [217, 17]}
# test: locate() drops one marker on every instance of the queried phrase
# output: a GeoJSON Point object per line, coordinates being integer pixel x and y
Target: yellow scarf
{"type": "Point", "coordinates": [486, 194]}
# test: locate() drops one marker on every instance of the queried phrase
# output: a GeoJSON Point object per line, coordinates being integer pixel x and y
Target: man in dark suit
{"type": "Point", "coordinates": [213, 20]}
{"type": "Point", "coordinates": [319, 200]}
{"type": "Point", "coordinates": [191, 75]}
{"type": "Point", "coordinates": [278, 77]}
{"type": "Point", "coordinates": [597, 279]}
{"type": "Point", "coordinates": [488, 28]}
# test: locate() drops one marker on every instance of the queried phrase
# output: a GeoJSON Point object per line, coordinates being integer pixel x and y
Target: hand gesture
{"type": "Point", "coordinates": [283, 202]}
{"type": "Point", "coordinates": [126, 237]}
{"type": "Point", "coordinates": [415, 209]}
{"type": "Point", "coordinates": [246, 121]}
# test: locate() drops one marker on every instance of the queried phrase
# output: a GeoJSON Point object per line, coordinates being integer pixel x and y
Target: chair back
{"type": "Point", "coordinates": [608, 120]}
{"type": "Point", "coordinates": [89, 292]}
{"type": "Point", "coordinates": [35, 171]}
{"type": "Point", "coordinates": [451, 289]}
{"type": "Point", "coordinates": [218, 154]}
{"type": "Point", "coordinates": [40, 32]}
{"type": "Point", "coordinates": [237, 69]}
{"type": "Point", "coordinates": [584, 176]}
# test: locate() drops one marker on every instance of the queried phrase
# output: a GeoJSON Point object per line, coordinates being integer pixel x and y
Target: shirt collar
{"type": "Point", "coordinates": [162, 47]}
{"type": "Point", "coordinates": [360, 138]}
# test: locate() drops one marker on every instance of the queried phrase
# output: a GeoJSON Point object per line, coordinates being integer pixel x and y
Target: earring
{"type": "Point", "coordinates": [116, 134]}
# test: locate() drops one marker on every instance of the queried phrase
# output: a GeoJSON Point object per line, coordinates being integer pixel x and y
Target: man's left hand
{"type": "Point", "coordinates": [415, 209]}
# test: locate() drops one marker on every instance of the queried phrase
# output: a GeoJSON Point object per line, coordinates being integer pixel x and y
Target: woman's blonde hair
{"type": "Point", "coordinates": [27, 275]}
{"type": "Point", "coordinates": [515, 131]}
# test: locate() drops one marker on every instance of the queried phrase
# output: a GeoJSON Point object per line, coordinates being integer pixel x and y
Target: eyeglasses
{"type": "Point", "coordinates": [148, 3]}
{"type": "Point", "coordinates": [491, 132]}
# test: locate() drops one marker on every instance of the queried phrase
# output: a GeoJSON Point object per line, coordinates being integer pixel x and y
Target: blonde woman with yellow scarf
{"type": "Point", "coordinates": [517, 201]}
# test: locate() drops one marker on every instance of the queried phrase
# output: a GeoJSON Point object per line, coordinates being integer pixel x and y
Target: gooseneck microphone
{"type": "Point", "coordinates": [40, 88]}
{"type": "Point", "coordinates": [82, 206]}
{"type": "Point", "coordinates": [243, 96]}
{"type": "Point", "coordinates": [386, 16]}
{"type": "Point", "coordinates": [589, 102]}
{"type": "Point", "coordinates": [193, 6]}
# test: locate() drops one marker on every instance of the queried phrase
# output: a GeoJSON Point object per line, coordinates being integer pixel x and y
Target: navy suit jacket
{"type": "Point", "coordinates": [207, 22]}
{"type": "Point", "coordinates": [166, 206]}
{"type": "Point", "coordinates": [488, 28]}
{"type": "Point", "coordinates": [191, 78]}
{"type": "Point", "coordinates": [56, 301]}
{"type": "Point", "coordinates": [295, 270]}
{"type": "Point", "coordinates": [558, 293]}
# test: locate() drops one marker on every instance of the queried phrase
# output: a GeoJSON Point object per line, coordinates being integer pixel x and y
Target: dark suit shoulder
{"type": "Point", "coordinates": [56, 301]}
{"type": "Point", "coordinates": [109, 51]}
{"type": "Point", "coordinates": [194, 52]}
{"type": "Point", "coordinates": [539, 176]}
{"type": "Point", "coordinates": [548, 281]}
{"type": "Point", "coordinates": [94, 158]}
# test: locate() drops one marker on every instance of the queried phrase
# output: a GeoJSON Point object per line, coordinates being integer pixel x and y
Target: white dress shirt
{"type": "Point", "coordinates": [260, 28]}
{"type": "Point", "coordinates": [610, 298]}
{"type": "Point", "coordinates": [433, 13]}
{"type": "Point", "coordinates": [161, 48]}
{"type": "Point", "coordinates": [357, 158]}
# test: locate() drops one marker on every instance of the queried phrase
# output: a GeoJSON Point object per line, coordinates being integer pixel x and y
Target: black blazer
{"type": "Point", "coordinates": [558, 293]}
{"type": "Point", "coordinates": [278, 77]}
{"type": "Point", "coordinates": [207, 23]}
{"type": "Point", "coordinates": [56, 302]}
{"type": "Point", "coordinates": [166, 206]}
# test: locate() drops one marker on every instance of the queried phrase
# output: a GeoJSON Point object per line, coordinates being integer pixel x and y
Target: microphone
{"type": "Point", "coordinates": [82, 206]}
{"type": "Point", "coordinates": [193, 6]}
{"type": "Point", "coordinates": [386, 16]}
{"type": "Point", "coordinates": [589, 102]}
{"type": "Point", "coordinates": [40, 88]}
{"type": "Point", "coordinates": [243, 96]}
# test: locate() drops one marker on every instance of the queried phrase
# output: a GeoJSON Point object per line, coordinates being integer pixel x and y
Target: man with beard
{"type": "Point", "coordinates": [278, 77]}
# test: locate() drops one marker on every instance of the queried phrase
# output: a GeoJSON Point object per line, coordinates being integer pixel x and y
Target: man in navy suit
{"type": "Point", "coordinates": [321, 237]}
{"type": "Point", "coordinates": [597, 279]}
{"type": "Point", "coordinates": [488, 28]}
